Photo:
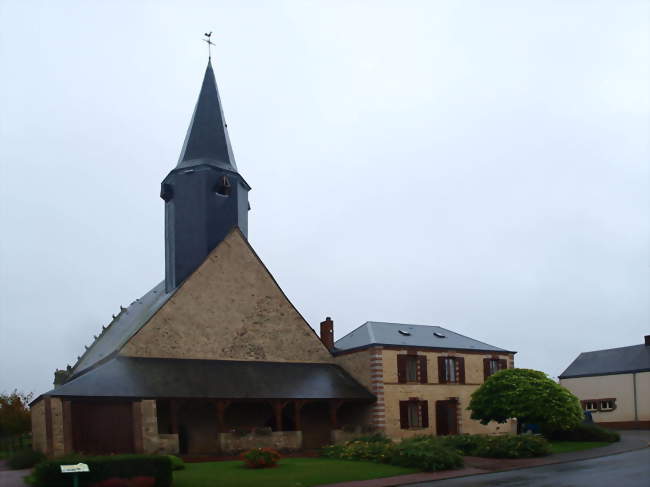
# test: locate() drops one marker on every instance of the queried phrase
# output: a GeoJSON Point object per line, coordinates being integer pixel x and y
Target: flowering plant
{"type": "Point", "coordinates": [260, 458]}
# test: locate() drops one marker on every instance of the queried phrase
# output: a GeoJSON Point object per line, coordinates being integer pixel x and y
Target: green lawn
{"type": "Point", "coordinates": [567, 446]}
{"type": "Point", "coordinates": [290, 472]}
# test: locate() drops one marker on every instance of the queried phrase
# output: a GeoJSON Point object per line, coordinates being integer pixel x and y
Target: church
{"type": "Point", "coordinates": [215, 359]}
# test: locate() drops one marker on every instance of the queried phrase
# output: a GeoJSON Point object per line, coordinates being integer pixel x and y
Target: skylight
{"type": "Point", "coordinates": [404, 332]}
{"type": "Point", "coordinates": [439, 335]}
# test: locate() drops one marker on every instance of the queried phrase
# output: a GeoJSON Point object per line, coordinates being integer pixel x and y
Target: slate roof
{"type": "Point", "coordinates": [401, 334]}
{"type": "Point", "coordinates": [623, 360]}
{"type": "Point", "coordinates": [131, 377]}
{"type": "Point", "coordinates": [126, 324]}
{"type": "Point", "coordinates": [207, 140]}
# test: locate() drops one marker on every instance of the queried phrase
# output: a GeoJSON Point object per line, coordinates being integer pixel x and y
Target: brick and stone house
{"type": "Point", "coordinates": [422, 376]}
{"type": "Point", "coordinates": [613, 385]}
{"type": "Point", "coordinates": [216, 359]}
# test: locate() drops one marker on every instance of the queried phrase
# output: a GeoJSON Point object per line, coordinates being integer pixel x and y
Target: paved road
{"type": "Point", "coordinates": [631, 469]}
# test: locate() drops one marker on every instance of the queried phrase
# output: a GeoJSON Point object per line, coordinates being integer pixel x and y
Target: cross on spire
{"type": "Point", "coordinates": [210, 43]}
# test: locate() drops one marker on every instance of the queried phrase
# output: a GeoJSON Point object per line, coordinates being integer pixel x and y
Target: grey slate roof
{"type": "Point", "coordinates": [123, 327]}
{"type": "Point", "coordinates": [207, 140]}
{"type": "Point", "coordinates": [381, 333]}
{"type": "Point", "coordinates": [623, 360]}
{"type": "Point", "coordinates": [187, 378]}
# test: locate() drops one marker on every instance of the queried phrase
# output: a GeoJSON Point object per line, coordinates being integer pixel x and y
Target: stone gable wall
{"type": "Point", "coordinates": [229, 309]}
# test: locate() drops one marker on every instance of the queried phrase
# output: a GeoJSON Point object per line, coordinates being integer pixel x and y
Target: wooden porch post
{"type": "Point", "coordinates": [334, 407]}
{"type": "Point", "coordinates": [297, 406]}
{"type": "Point", "coordinates": [277, 412]}
{"type": "Point", "coordinates": [221, 411]}
{"type": "Point", "coordinates": [173, 413]}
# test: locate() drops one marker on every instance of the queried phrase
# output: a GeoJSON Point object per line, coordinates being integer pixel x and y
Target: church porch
{"type": "Point", "coordinates": [228, 426]}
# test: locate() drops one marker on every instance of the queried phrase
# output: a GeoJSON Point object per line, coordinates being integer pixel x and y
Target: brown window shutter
{"type": "Point", "coordinates": [441, 370]}
{"type": "Point", "coordinates": [404, 415]}
{"type": "Point", "coordinates": [461, 370]}
{"type": "Point", "coordinates": [486, 368]}
{"type": "Point", "coordinates": [503, 364]}
{"type": "Point", "coordinates": [422, 365]}
{"type": "Point", "coordinates": [424, 411]}
{"type": "Point", "coordinates": [401, 369]}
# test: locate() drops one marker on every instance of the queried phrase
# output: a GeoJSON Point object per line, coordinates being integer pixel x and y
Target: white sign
{"type": "Point", "coordinates": [79, 467]}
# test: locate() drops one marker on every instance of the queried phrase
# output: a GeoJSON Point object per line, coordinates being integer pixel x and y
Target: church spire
{"type": "Point", "coordinates": [207, 140]}
{"type": "Point", "coordinates": [205, 196]}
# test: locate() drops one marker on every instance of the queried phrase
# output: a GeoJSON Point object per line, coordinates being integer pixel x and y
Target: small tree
{"type": "Point", "coordinates": [529, 396]}
{"type": "Point", "coordinates": [15, 418]}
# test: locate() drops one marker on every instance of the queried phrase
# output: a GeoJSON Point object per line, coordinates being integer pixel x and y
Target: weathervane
{"type": "Point", "coordinates": [210, 43]}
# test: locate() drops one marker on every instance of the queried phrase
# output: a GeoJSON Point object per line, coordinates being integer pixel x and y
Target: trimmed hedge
{"type": "Point", "coordinates": [24, 459]}
{"type": "Point", "coordinates": [583, 432]}
{"type": "Point", "coordinates": [427, 453]}
{"type": "Point", "coordinates": [48, 473]}
{"type": "Point", "coordinates": [177, 463]}
{"type": "Point", "coordinates": [501, 446]}
{"type": "Point", "coordinates": [424, 452]}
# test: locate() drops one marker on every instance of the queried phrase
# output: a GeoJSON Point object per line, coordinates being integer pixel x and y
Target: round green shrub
{"type": "Point", "coordinates": [24, 459]}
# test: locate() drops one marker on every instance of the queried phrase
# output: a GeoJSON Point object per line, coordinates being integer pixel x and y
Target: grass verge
{"type": "Point", "coordinates": [568, 446]}
{"type": "Point", "coordinates": [290, 472]}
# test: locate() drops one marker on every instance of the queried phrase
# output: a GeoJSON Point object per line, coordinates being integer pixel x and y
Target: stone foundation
{"type": "Point", "coordinates": [278, 440]}
{"type": "Point", "coordinates": [341, 436]}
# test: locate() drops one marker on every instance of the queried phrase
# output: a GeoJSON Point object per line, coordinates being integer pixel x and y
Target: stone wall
{"type": "Point", "coordinates": [341, 436]}
{"type": "Point", "coordinates": [230, 308]}
{"type": "Point", "coordinates": [39, 435]}
{"type": "Point", "coordinates": [58, 443]}
{"type": "Point", "coordinates": [152, 441]}
{"type": "Point", "coordinates": [278, 440]}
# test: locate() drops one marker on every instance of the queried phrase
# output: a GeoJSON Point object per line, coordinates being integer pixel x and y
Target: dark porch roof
{"type": "Point", "coordinates": [130, 377]}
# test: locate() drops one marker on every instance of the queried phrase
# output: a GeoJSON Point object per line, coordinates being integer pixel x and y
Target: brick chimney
{"type": "Point", "coordinates": [327, 333]}
{"type": "Point", "coordinates": [647, 338]}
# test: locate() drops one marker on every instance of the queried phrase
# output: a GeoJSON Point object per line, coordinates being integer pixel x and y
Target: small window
{"type": "Point", "coordinates": [411, 368]}
{"type": "Point", "coordinates": [451, 370]}
{"type": "Point", "coordinates": [493, 365]}
{"type": "Point", "coordinates": [439, 335]}
{"type": "Point", "coordinates": [404, 332]}
{"type": "Point", "coordinates": [415, 417]}
{"type": "Point", "coordinates": [414, 413]}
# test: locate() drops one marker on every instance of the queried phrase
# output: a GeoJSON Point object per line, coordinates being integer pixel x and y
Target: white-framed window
{"type": "Point", "coordinates": [603, 405]}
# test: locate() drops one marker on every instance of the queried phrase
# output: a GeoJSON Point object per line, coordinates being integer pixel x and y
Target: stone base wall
{"type": "Point", "coordinates": [278, 440]}
{"type": "Point", "coordinates": [153, 442]}
{"type": "Point", "coordinates": [340, 436]}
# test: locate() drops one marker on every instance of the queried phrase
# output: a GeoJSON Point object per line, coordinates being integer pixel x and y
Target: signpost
{"type": "Point", "coordinates": [75, 470]}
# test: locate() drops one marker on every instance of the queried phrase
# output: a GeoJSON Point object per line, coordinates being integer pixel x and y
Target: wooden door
{"type": "Point", "coordinates": [446, 420]}
{"type": "Point", "coordinates": [102, 427]}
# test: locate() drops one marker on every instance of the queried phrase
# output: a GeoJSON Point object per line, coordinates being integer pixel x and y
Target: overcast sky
{"type": "Point", "coordinates": [482, 166]}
